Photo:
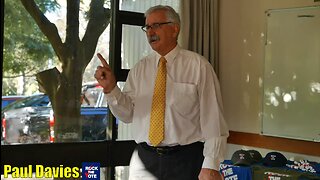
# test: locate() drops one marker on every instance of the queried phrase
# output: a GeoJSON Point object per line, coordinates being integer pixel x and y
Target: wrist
{"type": "Point", "coordinates": [108, 90]}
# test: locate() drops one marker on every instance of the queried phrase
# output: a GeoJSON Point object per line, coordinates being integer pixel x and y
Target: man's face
{"type": "Point", "coordinates": [164, 38]}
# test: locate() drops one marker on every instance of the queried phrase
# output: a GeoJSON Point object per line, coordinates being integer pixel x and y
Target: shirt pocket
{"type": "Point", "coordinates": [185, 98]}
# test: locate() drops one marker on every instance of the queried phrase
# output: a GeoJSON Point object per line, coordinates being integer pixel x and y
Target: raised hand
{"type": "Point", "coordinates": [105, 76]}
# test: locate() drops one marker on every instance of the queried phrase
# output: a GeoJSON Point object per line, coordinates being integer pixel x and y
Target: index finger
{"type": "Point", "coordinates": [103, 61]}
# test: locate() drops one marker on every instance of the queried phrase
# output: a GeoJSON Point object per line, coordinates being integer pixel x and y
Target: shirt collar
{"type": "Point", "coordinates": [170, 56]}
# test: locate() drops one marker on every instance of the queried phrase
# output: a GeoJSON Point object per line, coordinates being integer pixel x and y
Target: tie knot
{"type": "Point", "coordinates": [163, 60]}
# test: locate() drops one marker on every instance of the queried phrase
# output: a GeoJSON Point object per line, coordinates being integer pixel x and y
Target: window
{"type": "Point", "coordinates": [28, 53]}
{"type": "Point", "coordinates": [102, 137]}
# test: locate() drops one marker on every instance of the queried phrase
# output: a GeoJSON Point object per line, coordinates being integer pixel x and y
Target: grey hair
{"type": "Point", "coordinates": [171, 14]}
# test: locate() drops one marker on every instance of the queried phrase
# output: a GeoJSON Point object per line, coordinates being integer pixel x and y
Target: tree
{"type": "Point", "coordinates": [64, 88]}
{"type": "Point", "coordinates": [24, 59]}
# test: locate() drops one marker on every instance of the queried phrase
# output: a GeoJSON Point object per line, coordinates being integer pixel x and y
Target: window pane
{"type": "Point", "coordinates": [143, 5]}
{"type": "Point", "coordinates": [30, 116]}
{"type": "Point", "coordinates": [134, 45]}
{"type": "Point", "coordinates": [122, 173]}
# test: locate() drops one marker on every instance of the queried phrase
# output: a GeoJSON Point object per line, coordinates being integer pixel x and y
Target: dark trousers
{"type": "Point", "coordinates": [178, 163]}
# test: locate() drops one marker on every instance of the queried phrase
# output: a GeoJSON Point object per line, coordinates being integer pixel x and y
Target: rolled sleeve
{"type": "Point", "coordinates": [112, 96]}
{"type": "Point", "coordinates": [214, 152]}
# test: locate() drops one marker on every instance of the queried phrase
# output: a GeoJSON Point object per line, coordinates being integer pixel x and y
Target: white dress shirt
{"type": "Point", "coordinates": [193, 103]}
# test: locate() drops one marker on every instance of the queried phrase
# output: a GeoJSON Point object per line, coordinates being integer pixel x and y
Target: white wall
{"type": "Point", "coordinates": [241, 53]}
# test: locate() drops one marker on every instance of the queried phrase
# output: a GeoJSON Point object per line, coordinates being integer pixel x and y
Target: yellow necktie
{"type": "Point", "coordinates": [156, 131]}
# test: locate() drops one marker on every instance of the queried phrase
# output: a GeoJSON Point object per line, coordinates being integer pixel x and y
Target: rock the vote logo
{"type": "Point", "coordinates": [91, 170]}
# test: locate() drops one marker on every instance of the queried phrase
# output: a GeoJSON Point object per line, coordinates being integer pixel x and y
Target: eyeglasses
{"type": "Point", "coordinates": [154, 26]}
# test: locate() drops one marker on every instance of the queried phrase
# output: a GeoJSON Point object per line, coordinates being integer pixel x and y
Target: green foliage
{"type": "Point", "coordinates": [8, 88]}
{"type": "Point", "coordinates": [47, 5]}
{"type": "Point", "coordinates": [26, 50]}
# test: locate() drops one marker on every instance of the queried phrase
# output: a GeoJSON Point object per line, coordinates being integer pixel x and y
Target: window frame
{"type": "Point", "coordinates": [121, 18]}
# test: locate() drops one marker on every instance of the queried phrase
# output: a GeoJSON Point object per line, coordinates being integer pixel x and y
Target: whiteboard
{"type": "Point", "coordinates": [291, 103]}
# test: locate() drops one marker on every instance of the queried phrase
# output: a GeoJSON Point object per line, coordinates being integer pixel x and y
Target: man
{"type": "Point", "coordinates": [191, 111]}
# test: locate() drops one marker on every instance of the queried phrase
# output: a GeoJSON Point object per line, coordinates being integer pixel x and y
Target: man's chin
{"type": "Point", "coordinates": [154, 45]}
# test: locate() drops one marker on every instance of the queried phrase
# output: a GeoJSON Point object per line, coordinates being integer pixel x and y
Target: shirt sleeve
{"type": "Point", "coordinates": [213, 126]}
{"type": "Point", "coordinates": [121, 102]}
{"type": "Point", "coordinates": [214, 152]}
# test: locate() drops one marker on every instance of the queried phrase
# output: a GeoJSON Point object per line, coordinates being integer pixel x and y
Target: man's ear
{"type": "Point", "coordinates": [176, 30]}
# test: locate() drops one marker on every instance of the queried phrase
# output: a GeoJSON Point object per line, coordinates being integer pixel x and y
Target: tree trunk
{"type": "Point", "coordinates": [64, 88]}
{"type": "Point", "coordinates": [67, 104]}
{"type": "Point", "coordinates": [64, 91]}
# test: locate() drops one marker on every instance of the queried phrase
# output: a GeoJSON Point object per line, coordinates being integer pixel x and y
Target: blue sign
{"type": "Point", "coordinates": [91, 170]}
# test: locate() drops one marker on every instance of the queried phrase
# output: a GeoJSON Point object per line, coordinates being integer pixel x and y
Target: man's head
{"type": "Point", "coordinates": [162, 28]}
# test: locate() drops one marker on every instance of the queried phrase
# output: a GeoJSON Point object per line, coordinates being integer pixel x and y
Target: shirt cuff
{"type": "Point", "coordinates": [211, 163]}
{"type": "Point", "coordinates": [112, 96]}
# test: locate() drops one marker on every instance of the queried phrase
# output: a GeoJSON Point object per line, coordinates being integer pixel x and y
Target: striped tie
{"type": "Point", "coordinates": [156, 131]}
